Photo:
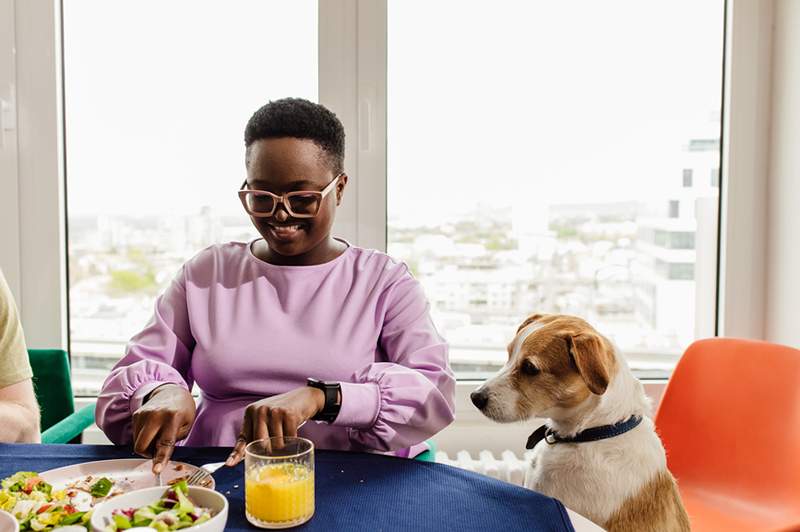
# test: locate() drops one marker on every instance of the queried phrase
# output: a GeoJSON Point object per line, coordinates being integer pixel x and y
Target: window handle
{"type": "Point", "coordinates": [8, 116]}
{"type": "Point", "coordinates": [365, 124]}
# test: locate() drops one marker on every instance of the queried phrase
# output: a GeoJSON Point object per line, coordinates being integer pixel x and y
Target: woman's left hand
{"type": "Point", "coordinates": [278, 416]}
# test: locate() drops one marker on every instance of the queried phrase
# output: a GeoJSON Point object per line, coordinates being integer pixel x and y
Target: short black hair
{"type": "Point", "coordinates": [302, 119]}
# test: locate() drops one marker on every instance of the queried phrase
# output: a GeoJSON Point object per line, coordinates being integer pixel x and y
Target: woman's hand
{"type": "Point", "coordinates": [164, 418]}
{"type": "Point", "coordinates": [279, 415]}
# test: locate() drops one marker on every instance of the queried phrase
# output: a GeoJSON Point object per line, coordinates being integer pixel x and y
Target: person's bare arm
{"type": "Point", "coordinates": [19, 413]}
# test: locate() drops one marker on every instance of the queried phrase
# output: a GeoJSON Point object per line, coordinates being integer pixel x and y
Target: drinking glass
{"type": "Point", "coordinates": [279, 482]}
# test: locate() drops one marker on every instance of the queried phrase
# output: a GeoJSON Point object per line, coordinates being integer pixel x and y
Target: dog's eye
{"type": "Point", "coordinates": [528, 368]}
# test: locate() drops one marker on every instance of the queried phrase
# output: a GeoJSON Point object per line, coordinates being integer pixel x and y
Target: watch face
{"type": "Point", "coordinates": [318, 382]}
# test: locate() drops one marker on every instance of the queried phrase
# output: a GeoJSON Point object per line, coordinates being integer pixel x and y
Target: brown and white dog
{"type": "Point", "coordinates": [561, 369]}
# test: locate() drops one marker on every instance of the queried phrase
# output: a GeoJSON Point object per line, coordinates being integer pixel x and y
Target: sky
{"type": "Point", "coordinates": [158, 95]}
{"type": "Point", "coordinates": [533, 102]}
{"type": "Point", "coordinates": [502, 102]}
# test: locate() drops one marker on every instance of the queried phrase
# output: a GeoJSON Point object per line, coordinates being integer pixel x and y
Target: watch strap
{"type": "Point", "coordinates": [331, 407]}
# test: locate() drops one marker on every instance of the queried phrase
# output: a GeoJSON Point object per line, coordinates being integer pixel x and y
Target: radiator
{"type": "Point", "coordinates": [508, 467]}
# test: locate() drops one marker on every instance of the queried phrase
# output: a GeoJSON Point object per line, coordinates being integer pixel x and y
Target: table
{"type": "Point", "coordinates": [355, 491]}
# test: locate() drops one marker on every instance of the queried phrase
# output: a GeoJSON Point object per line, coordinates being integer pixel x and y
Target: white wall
{"type": "Point", "coordinates": [783, 242]}
{"type": "Point", "coordinates": [473, 433]}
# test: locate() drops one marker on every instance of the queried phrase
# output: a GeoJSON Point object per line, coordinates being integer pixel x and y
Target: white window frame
{"type": "Point", "coordinates": [745, 169]}
{"type": "Point", "coordinates": [9, 184]}
{"type": "Point", "coordinates": [352, 82]}
{"type": "Point", "coordinates": [33, 235]}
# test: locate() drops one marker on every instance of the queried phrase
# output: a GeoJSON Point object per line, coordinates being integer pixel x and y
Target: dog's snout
{"type": "Point", "coordinates": [479, 398]}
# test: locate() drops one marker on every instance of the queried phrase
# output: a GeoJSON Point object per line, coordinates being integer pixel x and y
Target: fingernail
{"type": "Point", "coordinates": [157, 468]}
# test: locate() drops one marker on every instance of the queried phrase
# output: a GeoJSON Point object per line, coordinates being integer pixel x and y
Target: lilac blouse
{"type": "Point", "coordinates": [243, 329]}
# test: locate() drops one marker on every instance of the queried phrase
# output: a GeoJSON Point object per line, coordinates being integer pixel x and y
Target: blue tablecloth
{"type": "Point", "coordinates": [355, 491]}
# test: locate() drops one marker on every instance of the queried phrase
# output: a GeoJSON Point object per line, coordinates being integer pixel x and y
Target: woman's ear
{"type": "Point", "coordinates": [340, 188]}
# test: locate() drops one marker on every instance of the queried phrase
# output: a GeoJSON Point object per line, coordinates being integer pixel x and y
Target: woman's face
{"type": "Point", "coordinates": [288, 164]}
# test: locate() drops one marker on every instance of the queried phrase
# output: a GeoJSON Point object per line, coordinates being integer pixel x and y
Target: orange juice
{"type": "Point", "coordinates": [280, 493]}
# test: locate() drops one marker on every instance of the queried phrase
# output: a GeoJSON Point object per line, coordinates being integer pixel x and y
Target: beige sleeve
{"type": "Point", "coordinates": [14, 365]}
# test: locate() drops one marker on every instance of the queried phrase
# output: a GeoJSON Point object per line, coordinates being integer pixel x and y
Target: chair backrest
{"type": "Point", "coordinates": [730, 421]}
{"type": "Point", "coordinates": [52, 384]}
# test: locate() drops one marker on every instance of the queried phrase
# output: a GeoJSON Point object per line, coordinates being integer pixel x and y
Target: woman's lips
{"type": "Point", "coordinates": [286, 232]}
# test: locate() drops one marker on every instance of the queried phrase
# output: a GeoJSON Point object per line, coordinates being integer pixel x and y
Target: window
{"type": "Point", "coordinates": [707, 145]}
{"type": "Point", "coordinates": [155, 113]}
{"type": "Point", "coordinates": [675, 271]}
{"type": "Point", "coordinates": [674, 208]}
{"type": "Point", "coordinates": [529, 171]}
{"type": "Point", "coordinates": [669, 239]}
{"type": "Point", "coordinates": [681, 240]}
{"type": "Point", "coordinates": [687, 178]}
{"type": "Point", "coordinates": [525, 171]}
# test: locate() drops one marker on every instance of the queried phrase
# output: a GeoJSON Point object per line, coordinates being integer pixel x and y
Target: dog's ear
{"type": "Point", "coordinates": [530, 319]}
{"type": "Point", "coordinates": [594, 359]}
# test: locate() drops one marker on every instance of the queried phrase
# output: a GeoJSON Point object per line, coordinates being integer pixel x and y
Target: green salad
{"type": "Point", "coordinates": [173, 511]}
{"type": "Point", "coordinates": [36, 506]}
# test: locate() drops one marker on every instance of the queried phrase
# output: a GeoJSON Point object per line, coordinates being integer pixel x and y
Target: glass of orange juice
{"type": "Point", "coordinates": [279, 482]}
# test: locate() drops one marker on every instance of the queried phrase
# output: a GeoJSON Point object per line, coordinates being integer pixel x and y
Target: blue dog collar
{"type": "Point", "coordinates": [591, 434]}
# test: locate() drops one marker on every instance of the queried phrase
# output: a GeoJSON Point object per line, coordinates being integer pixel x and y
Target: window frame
{"type": "Point", "coordinates": [352, 77]}
{"type": "Point", "coordinates": [34, 248]}
{"type": "Point", "coordinates": [352, 82]}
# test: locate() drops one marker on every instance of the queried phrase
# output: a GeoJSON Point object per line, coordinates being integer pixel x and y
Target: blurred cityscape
{"type": "Point", "coordinates": [643, 273]}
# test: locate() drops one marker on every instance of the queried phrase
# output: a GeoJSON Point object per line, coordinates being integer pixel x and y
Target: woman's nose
{"type": "Point", "coordinates": [280, 214]}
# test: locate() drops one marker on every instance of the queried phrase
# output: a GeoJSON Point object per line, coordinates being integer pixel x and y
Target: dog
{"type": "Point", "coordinates": [599, 453]}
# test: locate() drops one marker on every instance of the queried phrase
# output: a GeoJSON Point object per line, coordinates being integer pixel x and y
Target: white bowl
{"type": "Point", "coordinates": [207, 498]}
{"type": "Point", "coordinates": [8, 523]}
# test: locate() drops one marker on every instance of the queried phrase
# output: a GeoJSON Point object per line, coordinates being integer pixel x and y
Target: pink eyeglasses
{"type": "Point", "coordinates": [299, 204]}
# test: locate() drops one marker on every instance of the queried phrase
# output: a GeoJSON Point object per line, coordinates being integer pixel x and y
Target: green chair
{"type": "Point", "coordinates": [53, 386]}
{"type": "Point", "coordinates": [430, 454]}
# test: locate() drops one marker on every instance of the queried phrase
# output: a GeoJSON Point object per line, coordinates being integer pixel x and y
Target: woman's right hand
{"type": "Point", "coordinates": [166, 417]}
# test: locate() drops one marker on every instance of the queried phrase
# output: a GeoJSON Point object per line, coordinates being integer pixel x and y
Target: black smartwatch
{"type": "Point", "coordinates": [332, 390]}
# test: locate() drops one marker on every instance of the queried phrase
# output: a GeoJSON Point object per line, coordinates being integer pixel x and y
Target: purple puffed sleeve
{"type": "Point", "coordinates": [159, 354]}
{"type": "Point", "coordinates": [402, 402]}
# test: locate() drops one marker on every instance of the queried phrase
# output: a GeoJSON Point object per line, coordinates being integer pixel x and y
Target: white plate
{"type": "Point", "coordinates": [127, 474]}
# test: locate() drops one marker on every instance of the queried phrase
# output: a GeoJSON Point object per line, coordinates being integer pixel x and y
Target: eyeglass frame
{"type": "Point", "coordinates": [283, 199]}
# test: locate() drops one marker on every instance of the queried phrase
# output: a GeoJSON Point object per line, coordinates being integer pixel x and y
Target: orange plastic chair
{"type": "Point", "coordinates": [730, 422]}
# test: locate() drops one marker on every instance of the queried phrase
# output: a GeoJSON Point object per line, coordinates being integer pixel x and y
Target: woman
{"type": "Point", "coordinates": [252, 323]}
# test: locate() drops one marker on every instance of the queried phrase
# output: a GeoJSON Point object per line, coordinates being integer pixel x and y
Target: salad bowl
{"type": "Point", "coordinates": [163, 509]}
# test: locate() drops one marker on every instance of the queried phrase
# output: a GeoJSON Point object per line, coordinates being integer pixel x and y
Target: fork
{"type": "Point", "coordinates": [200, 477]}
